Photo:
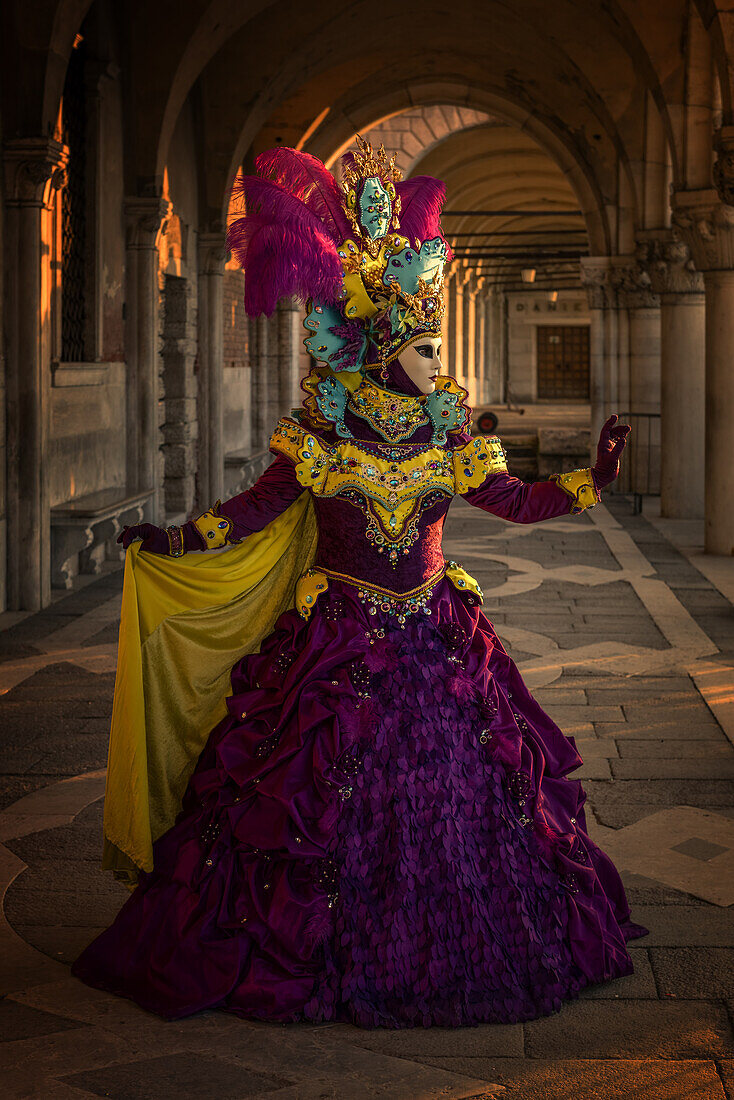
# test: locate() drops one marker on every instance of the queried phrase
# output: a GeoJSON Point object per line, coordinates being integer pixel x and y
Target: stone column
{"type": "Point", "coordinates": [289, 336]}
{"type": "Point", "coordinates": [262, 384]}
{"type": "Point", "coordinates": [638, 387]}
{"type": "Point", "coordinates": [446, 324]}
{"type": "Point", "coordinates": [480, 344]}
{"type": "Point", "coordinates": [598, 281]}
{"type": "Point", "coordinates": [34, 171]}
{"type": "Point", "coordinates": [211, 366]}
{"type": "Point", "coordinates": [497, 350]}
{"type": "Point", "coordinates": [625, 361]}
{"type": "Point", "coordinates": [99, 77]}
{"type": "Point", "coordinates": [144, 218]}
{"type": "Point", "coordinates": [467, 335]}
{"type": "Point", "coordinates": [638, 384]}
{"type": "Point", "coordinates": [706, 224]}
{"type": "Point", "coordinates": [624, 340]}
{"type": "Point", "coordinates": [456, 327]}
{"type": "Point", "coordinates": [683, 376]}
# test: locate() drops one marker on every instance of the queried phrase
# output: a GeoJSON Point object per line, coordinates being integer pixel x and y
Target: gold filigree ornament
{"type": "Point", "coordinates": [358, 303]}
{"type": "Point", "coordinates": [395, 415]}
{"type": "Point", "coordinates": [464, 582]}
{"type": "Point", "coordinates": [428, 305]}
{"type": "Point", "coordinates": [476, 460]}
{"type": "Point", "coordinates": [309, 587]}
{"type": "Point", "coordinates": [368, 165]}
{"type": "Point", "coordinates": [213, 527]}
{"type": "Point", "coordinates": [579, 484]}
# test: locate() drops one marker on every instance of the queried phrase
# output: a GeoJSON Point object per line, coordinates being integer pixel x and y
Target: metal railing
{"type": "Point", "coordinates": [640, 466]}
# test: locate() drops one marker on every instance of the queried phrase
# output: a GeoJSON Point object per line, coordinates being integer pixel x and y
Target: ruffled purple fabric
{"type": "Point", "coordinates": [382, 831]}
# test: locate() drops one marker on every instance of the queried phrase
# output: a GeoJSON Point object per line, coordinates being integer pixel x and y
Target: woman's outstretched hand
{"type": "Point", "coordinates": [612, 441]}
{"type": "Point", "coordinates": [154, 538]}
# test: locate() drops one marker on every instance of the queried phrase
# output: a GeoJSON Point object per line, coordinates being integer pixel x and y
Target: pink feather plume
{"type": "Point", "coordinates": [421, 198]}
{"type": "Point", "coordinates": [283, 259]}
{"type": "Point", "coordinates": [283, 247]}
{"type": "Point", "coordinates": [307, 178]}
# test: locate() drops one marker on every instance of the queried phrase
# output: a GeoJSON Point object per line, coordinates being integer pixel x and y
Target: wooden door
{"type": "Point", "coordinates": [563, 362]}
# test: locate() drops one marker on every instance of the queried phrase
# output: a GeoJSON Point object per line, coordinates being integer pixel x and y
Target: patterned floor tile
{"type": "Point", "coordinates": [651, 847]}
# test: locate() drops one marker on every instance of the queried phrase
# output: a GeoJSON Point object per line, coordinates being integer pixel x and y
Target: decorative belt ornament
{"type": "Point", "coordinates": [399, 605]}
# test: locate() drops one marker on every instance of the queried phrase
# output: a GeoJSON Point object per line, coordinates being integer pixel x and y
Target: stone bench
{"type": "Point", "coordinates": [80, 526]}
{"type": "Point", "coordinates": [242, 471]}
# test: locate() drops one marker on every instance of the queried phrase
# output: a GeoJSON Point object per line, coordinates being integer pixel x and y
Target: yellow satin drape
{"type": "Point", "coordinates": [185, 622]}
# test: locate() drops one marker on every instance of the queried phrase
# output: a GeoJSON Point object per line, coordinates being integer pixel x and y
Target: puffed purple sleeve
{"type": "Point", "coordinates": [520, 501]}
{"type": "Point", "coordinates": [273, 492]}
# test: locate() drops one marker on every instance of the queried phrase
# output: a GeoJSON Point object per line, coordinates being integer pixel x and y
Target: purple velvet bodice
{"type": "Point", "coordinates": [343, 545]}
{"type": "Point", "coordinates": [347, 525]}
{"type": "Point", "coordinates": [344, 548]}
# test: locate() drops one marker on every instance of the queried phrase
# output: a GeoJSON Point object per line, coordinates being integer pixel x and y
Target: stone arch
{"type": "Point", "coordinates": [333, 84]}
{"type": "Point", "coordinates": [486, 164]}
{"type": "Point", "coordinates": [67, 20]}
{"type": "Point", "coordinates": [422, 129]}
{"type": "Point", "coordinates": [332, 140]}
{"type": "Point", "coordinates": [719, 26]}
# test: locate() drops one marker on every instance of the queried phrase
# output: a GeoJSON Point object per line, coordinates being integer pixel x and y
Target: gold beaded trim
{"type": "Point", "coordinates": [175, 541]}
{"type": "Point", "coordinates": [376, 598]}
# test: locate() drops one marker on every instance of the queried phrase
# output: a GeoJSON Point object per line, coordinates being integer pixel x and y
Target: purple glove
{"type": "Point", "coordinates": [612, 441]}
{"type": "Point", "coordinates": [154, 538]}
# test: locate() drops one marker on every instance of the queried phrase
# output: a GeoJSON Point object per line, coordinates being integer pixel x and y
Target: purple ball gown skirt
{"type": "Point", "coordinates": [382, 831]}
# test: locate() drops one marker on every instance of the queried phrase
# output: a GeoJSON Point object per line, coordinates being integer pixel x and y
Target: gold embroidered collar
{"type": "Point", "coordinates": [394, 415]}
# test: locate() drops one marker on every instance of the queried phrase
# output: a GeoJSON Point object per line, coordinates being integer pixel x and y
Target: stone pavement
{"type": "Point", "coordinates": [626, 644]}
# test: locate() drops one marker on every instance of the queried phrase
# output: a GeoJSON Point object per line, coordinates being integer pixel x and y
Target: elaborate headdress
{"type": "Point", "coordinates": [366, 258]}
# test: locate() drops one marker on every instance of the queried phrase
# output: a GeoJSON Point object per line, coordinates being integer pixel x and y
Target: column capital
{"type": "Point", "coordinates": [667, 260]}
{"type": "Point", "coordinates": [594, 272]}
{"type": "Point", "coordinates": [145, 219]}
{"type": "Point", "coordinates": [34, 169]}
{"type": "Point", "coordinates": [212, 253]}
{"type": "Point", "coordinates": [706, 224]}
{"type": "Point", "coordinates": [617, 282]}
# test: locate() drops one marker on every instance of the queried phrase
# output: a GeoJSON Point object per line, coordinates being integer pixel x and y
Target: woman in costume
{"type": "Point", "coordinates": [380, 826]}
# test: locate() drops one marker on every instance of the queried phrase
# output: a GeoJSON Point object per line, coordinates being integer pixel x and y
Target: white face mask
{"type": "Point", "coordinates": [421, 362]}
